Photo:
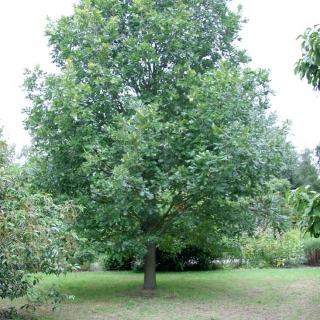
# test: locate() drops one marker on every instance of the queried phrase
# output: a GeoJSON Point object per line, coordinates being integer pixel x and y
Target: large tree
{"type": "Point", "coordinates": [153, 122]}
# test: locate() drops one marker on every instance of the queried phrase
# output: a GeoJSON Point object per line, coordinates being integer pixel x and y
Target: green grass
{"type": "Point", "coordinates": [236, 294]}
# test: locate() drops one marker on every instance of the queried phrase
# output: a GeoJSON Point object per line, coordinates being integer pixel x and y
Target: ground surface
{"type": "Point", "coordinates": [215, 295]}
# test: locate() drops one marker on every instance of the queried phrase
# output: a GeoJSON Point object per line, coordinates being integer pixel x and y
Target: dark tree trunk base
{"type": "Point", "coordinates": [150, 268]}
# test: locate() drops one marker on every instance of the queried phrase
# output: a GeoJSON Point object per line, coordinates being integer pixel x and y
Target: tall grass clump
{"type": "Point", "coordinates": [312, 250]}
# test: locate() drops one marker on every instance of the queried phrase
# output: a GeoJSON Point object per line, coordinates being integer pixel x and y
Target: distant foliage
{"type": "Point", "coordinates": [269, 206]}
{"type": "Point", "coordinates": [265, 248]}
{"type": "Point", "coordinates": [272, 249]}
{"type": "Point", "coordinates": [114, 262]}
{"type": "Point", "coordinates": [306, 173]}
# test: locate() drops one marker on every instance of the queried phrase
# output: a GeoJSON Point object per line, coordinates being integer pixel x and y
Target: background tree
{"type": "Point", "coordinates": [270, 208]}
{"type": "Point", "coordinates": [308, 65]}
{"type": "Point", "coordinates": [306, 173]}
{"type": "Point", "coordinates": [153, 123]}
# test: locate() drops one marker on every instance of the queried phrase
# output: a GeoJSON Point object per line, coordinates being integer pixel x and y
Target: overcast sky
{"type": "Point", "coordinates": [269, 37]}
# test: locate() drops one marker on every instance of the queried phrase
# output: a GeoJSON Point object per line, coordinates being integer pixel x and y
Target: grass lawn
{"type": "Point", "coordinates": [236, 294]}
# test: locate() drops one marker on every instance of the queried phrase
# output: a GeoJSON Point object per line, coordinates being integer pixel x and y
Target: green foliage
{"type": "Point", "coordinates": [312, 250]}
{"type": "Point", "coordinates": [35, 236]}
{"type": "Point", "coordinates": [83, 258]}
{"type": "Point", "coordinates": [290, 163]}
{"type": "Point", "coordinates": [269, 206]}
{"type": "Point", "coordinates": [4, 151]}
{"type": "Point", "coordinates": [306, 209]}
{"type": "Point", "coordinates": [154, 123]}
{"type": "Point", "coordinates": [189, 258]}
{"type": "Point", "coordinates": [311, 244]}
{"type": "Point", "coordinates": [114, 262]}
{"type": "Point", "coordinates": [272, 249]}
{"type": "Point", "coordinates": [306, 173]}
{"type": "Point", "coordinates": [109, 52]}
{"type": "Point", "coordinates": [308, 65]}
{"type": "Point", "coordinates": [317, 153]}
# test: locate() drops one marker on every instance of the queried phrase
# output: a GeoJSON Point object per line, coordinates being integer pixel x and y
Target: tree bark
{"type": "Point", "coordinates": [150, 268]}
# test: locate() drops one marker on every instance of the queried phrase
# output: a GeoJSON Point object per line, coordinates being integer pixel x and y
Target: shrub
{"type": "Point", "coordinates": [35, 236]}
{"type": "Point", "coordinates": [272, 249]}
{"type": "Point", "coordinates": [189, 258]}
{"type": "Point", "coordinates": [116, 262]}
{"type": "Point", "coordinates": [84, 258]}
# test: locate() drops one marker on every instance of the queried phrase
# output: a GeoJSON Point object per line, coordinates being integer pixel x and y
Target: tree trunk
{"type": "Point", "coordinates": [150, 268]}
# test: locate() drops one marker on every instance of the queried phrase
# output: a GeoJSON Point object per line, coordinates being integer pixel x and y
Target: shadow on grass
{"type": "Point", "coordinates": [102, 286]}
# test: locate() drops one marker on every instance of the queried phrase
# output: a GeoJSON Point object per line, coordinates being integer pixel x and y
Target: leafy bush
{"type": "Point", "coordinates": [84, 258]}
{"type": "Point", "coordinates": [32, 241]}
{"type": "Point", "coordinates": [189, 258]}
{"type": "Point", "coordinates": [272, 249]}
{"type": "Point", "coordinates": [34, 237]}
{"type": "Point", "coordinates": [116, 262]}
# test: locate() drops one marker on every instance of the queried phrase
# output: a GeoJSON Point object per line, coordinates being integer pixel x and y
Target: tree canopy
{"type": "Point", "coordinates": [154, 123]}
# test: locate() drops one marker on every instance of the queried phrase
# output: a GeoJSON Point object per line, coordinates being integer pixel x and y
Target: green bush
{"type": "Point", "coordinates": [116, 262]}
{"type": "Point", "coordinates": [84, 258]}
{"type": "Point", "coordinates": [189, 258]}
{"type": "Point", "coordinates": [35, 238]}
{"type": "Point", "coordinates": [272, 249]}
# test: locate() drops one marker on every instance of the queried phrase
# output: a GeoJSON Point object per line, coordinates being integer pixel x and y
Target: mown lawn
{"type": "Point", "coordinates": [236, 294]}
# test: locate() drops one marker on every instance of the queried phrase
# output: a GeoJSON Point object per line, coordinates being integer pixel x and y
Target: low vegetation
{"type": "Point", "coordinates": [312, 250]}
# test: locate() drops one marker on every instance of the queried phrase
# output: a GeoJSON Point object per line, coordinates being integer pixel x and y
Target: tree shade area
{"type": "Point", "coordinates": [155, 124]}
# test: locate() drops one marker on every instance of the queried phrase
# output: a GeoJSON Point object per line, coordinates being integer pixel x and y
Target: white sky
{"type": "Point", "coordinates": [269, 37]}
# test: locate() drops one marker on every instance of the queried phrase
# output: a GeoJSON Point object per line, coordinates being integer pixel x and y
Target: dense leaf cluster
{"type": "Point", "coordinates": [35, 234]}
{"type": "Point", "coordinates": [308, 66]}
{"type": "Point", "coordinates": [306, 205]}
